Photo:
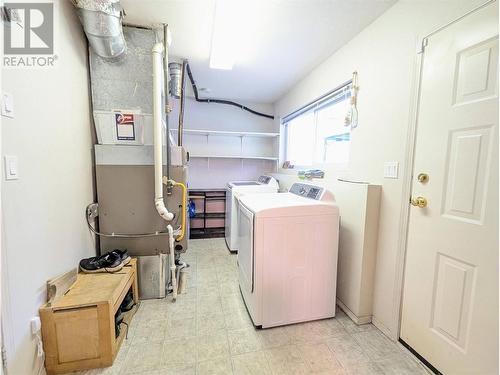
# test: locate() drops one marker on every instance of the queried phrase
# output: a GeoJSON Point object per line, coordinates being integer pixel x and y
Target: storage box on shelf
{"type": "Point", "coordinates": [209, 219]}
{"type": "Point", "coordinates": [78, 329]}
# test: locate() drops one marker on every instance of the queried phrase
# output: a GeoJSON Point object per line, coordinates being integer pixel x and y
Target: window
{"type": "Point", "coordinates": [316, 133]}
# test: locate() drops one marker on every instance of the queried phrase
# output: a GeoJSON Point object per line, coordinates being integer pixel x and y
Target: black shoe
{"type": "Point", "coordinates": [117, 330]}
{"type": "Point", "coordinates": [109, 262]}
{"type": "Point", "coordinates": [123, 256]}
{"type": "Point", "coordinates": [128, 303]}
{"type": "Point", "coordinates": [119, 317]}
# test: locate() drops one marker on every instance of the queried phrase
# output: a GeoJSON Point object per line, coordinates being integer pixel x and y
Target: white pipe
{"type": "Point", "coordinates": [157, 134]}
{"type": "Point", "coordinates": [182, 265]}
{"type": "Point", "coordinates": [172, 261]}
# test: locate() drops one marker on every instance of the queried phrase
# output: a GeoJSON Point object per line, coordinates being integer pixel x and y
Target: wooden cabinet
{"type": "Point", "coordinates": [78, 329]}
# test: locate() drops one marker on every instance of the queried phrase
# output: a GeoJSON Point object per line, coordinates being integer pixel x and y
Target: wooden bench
{"type": "Point", "coordinates": [78, 329]}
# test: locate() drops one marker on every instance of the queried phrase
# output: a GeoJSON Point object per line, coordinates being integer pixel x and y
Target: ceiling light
{"type": "Point", "coordinates": [224, 35]}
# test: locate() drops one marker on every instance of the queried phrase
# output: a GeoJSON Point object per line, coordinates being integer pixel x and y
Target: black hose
{"type": "Point", "coordinates": [220, 101]}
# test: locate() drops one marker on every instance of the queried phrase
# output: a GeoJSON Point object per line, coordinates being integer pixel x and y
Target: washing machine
{"type": "Point", "coordinates": [287, 256]}
{"type": "Point", "coordinates": [236, 189]}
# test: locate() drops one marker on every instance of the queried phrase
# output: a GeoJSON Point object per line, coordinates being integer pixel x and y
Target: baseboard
{"type": "Point", "coordinates": [382, 328]}
{"type": "Point", "coordinates": [356, 319]}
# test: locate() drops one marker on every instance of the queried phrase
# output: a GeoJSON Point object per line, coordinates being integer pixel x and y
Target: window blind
{"type": "Point", "coordinates": [338, 94]}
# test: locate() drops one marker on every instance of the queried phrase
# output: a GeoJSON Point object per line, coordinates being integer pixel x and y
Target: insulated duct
{"type": "Point", "coordinates": [102, 23]}
{"type": "Point", "coordinates": [175, 79]}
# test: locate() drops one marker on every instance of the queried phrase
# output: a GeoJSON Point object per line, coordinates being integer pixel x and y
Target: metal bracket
{"type": "Point", "coordinates": [425, 43]}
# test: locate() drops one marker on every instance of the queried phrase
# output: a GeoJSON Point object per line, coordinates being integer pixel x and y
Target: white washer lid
{"type": "Point", "coordinates": [280, 203]}
{"type": "Point", "coordinates": [243, 183]}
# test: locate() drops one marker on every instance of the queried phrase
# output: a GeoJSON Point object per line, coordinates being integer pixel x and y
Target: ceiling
{"type": "Point", "coordinates": [280, 41]}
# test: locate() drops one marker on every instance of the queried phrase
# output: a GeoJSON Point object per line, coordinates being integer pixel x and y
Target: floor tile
{"type": "Point", "coordinates": [286, 360]}
{"type": "Point", "coordinates": [254, 363]}
{"type": "Point", "coordinates": [274, 337]}
{"type": "Point", "coordinates": [244, 341]}
{"type": "Point", "coordinates": [231, 302]}
{"type": "Point", "coordinates": [220, 366]}
{"type": "Point", "coordinates": [320, 359]}
{"type": "Point", "coordinates": [179, 352]}
{"type": "Point", "coordinates": [400, 365]}
{"type": "Point", "coordinates": [212, 346]}
{"type": "Point", "coordinates": [208, 331]}
{"type": "Point", "coordinates": [237, 319]}
{"type": "Point", "coordinates": [152, 331]}
{"type": "Point", "coordinates": [367, 368]}
{"type": "Point", "coordinates": [142, 358]}
{"type": "Point", "coordinates": [210, 323]}
{"type": "Point", "coordinates": [181, 328]}
{"type": "Point", "coordinates": [375, 344]}
{"type": "Point", "coordinates": [182, 370]}
{"type": "Point", "coordinates": [347, 350]}
{"type": "Point", "coordinates": [229, 287]}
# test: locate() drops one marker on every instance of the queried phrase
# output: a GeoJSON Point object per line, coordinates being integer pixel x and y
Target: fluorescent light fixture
{"type": "Point", "coordinates": [224, 36]}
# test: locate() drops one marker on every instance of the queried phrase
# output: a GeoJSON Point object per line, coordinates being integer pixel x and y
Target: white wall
{"type": "Point", "coordinates": [44, 230]}
{"type": "Point", "coordinates": [384, 54]}
{"type": "Point", "coordinates": [215, 173]}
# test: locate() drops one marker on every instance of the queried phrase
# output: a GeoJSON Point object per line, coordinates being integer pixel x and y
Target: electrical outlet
{"type": "Point", "coordinates": [93, 211]}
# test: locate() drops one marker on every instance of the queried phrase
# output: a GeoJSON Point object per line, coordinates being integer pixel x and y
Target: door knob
{"type": "Point", "coordinates": [423, 178]}
{"type": "Point", "coordinates": [419, 202]}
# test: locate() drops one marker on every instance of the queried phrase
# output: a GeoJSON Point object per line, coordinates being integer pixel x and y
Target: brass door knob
{"type": "Point", "coordinates": [419, 202]}
{"type": "Point", "coordinates": [423, 178]}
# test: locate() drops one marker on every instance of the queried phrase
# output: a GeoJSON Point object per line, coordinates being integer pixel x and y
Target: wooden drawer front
{"type": "Point", "coordinates": [77, 334]}
{"type": "Point", "coordinates": [197, 223]}
{"type": "Point", "coordinates": [215, 223]}
{"type": "Point", "coordinates": [216, 206]}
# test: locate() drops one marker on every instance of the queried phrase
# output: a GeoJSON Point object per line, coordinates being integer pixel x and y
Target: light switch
{"type": "Point", "coordinates": [11, 167]}
{"type": "Point", "coordinates": [391, 169]}
{"type": "Point", "coordinates": [7, 105]}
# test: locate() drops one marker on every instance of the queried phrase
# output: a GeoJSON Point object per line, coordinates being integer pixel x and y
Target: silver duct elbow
{"type": "Point", "coordinates": [102, 23]}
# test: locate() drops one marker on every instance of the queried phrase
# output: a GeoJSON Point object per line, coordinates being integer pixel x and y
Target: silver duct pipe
{"type": "Point", "coordinates": [177, 88]}
{"type": "Point", "coordinates": [175, 79]}
{"type": "Point", "coordinates": [102, 23]}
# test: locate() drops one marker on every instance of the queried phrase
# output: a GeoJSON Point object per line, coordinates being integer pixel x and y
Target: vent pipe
{"type": "Point", "coordinates": [102, 23]}
{"type": "Point", "coordinates": [175, 79]}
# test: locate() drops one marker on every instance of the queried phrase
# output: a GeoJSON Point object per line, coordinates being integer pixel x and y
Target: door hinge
{"type": "Point", "coordinates": [425, 43]}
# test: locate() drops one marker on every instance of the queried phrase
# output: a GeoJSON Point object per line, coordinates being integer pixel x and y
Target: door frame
{"type": "Point", "coordinates": [407, 171]}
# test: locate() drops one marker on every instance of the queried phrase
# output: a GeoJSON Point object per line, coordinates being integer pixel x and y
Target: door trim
{"type": "Point", "coordinates": [395, 330]}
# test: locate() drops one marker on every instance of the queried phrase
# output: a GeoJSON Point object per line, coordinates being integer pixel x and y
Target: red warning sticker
{"type": "Point", "coordinates": [125, 126]}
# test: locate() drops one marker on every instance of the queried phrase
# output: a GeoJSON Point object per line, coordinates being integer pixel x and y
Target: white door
{"type": "Point", "coordinates": [450, 300]}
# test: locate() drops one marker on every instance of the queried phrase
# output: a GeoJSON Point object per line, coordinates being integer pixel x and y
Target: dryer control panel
{"type": "Point", "coordinates": [308, 191]}
{"type": "Point", "coordinates": [264, 179]}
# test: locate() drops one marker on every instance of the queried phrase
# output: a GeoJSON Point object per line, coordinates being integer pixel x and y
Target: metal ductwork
{"type": "Point", "coordinates": [175, 79]}
{"type": "Point", "coordinates": [102, 23]}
